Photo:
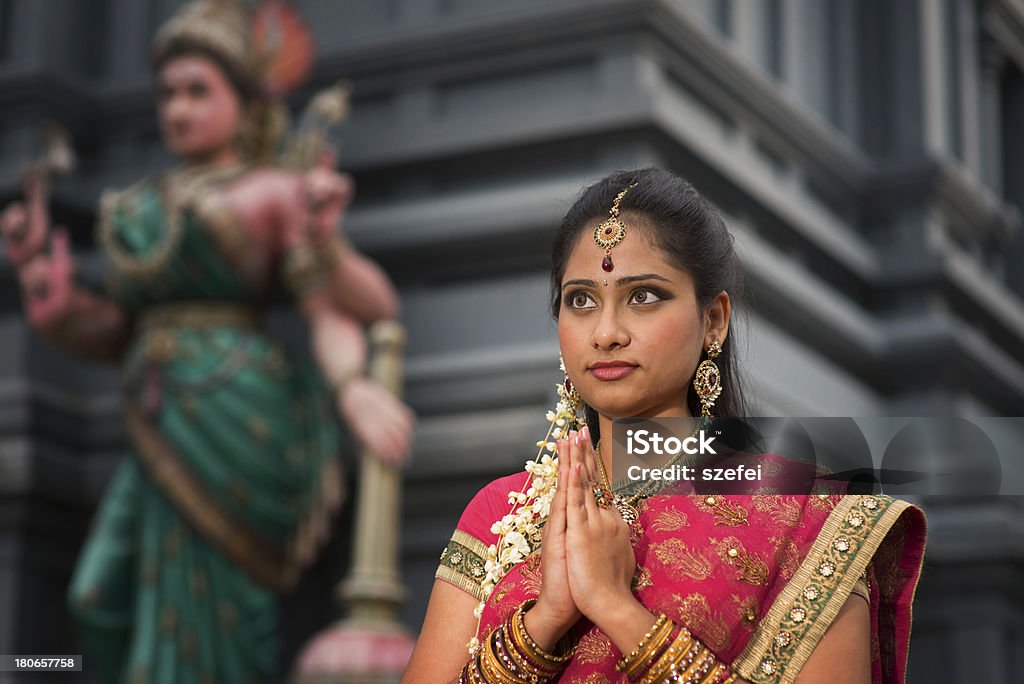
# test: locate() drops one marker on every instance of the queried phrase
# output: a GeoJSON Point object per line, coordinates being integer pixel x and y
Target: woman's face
{"type": "Point", "coordinates": [198, 108]}
{"type": "Point", "coordinates": [645, 320]}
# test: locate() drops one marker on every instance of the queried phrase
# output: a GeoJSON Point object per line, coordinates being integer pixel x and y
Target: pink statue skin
{"type": "Point", "coordinates": [200, 117]}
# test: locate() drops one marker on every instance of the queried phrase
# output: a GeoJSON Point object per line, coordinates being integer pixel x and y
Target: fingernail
{"type": "Point", "coordinates": [586, 432]}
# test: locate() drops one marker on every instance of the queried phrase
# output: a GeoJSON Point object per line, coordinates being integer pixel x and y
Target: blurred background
{"type": "Point", "coordinates": [868, 155]}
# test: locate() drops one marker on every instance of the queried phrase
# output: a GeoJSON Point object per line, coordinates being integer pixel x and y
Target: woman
{"type": "Point", "coordinates": [767, 588]}
{"type": "Point", "coordinates": [236, 475]}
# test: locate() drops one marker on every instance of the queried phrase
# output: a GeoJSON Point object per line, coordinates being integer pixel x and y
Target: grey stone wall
{"type": "Point", "coordinates": [867, 155]}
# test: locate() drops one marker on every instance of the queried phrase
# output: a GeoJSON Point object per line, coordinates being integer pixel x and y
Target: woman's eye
{"type": "Point", "coordinates": [644, 297]}
{"type": "Point", "coordinates": [580, 300]}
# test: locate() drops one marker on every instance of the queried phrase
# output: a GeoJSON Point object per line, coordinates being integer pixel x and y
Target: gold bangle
{"type": "Point", "coordinates": [491, 666]}
{"type": "Point", "coordinates": [649, 644]}
{"type": "Point", "coordinates": [531, 671]}
{"type": "Point", "coordinates": [701, 665]}
{"type": "Point", "coordinates": [683, 647]}
{"type": "Point", "coordinates": [716, 673]}
{"type": "Point", "coordinates": [520, 665]}
{"type": "Point", "coordinates": [339, 383]}
{"type": "Point", "coordinates": [335, 250]}
{"type": "Point", "coordinates": [530, 647]}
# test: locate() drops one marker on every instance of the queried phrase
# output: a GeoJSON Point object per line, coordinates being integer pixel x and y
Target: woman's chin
{"type": "Point", "coordinates": [619, 409]}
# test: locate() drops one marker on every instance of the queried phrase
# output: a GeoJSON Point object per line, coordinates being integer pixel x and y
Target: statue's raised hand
{"type": "Point", "coordinates": [46, 279]}
{"type": "Point", "coordinates": [46, 284]}
{"type": "Point", "coordinates": [327, 195]}
{"type": "Point", "coordinates": [25, 226]}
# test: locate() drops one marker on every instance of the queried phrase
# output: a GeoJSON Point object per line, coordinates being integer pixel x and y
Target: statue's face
{"type": "Point", "coordinates": [199, 110]}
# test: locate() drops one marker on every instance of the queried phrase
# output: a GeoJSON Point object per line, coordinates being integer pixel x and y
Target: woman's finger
{"type": "Point", "coordinates": [589, 457]}
{"type": "Point", "coordinates": [588, 466]}
{"type": "Point", "coordinates": [589, 499]}
{"type": "Point", "coordinates": [556, 518]}
{"type": "Point", "coordinates": [576, 506]}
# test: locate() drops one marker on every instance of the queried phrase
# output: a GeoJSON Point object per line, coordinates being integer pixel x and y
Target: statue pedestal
{"type": "Point", "coordinates": [370, 646]}
{"type": "Point", "coordinates": [351, 652]}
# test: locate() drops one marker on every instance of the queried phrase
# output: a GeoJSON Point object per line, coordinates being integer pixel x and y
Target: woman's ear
{"type": "Point", "coordinates": [716, 319]}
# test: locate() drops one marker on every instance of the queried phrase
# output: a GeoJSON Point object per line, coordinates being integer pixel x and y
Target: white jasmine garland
{"type": "Point", "coordinates": [519, 531]}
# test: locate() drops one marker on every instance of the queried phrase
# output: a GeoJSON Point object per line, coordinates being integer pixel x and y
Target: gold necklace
{"type": "Point", "coordinates": [627, 505]}
{"type": "Point", "coordinates": [177, 191]}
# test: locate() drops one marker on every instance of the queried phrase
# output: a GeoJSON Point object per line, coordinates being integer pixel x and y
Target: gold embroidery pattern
{"type": "Point", "coordinates": [595, 678]}
{"type": "Point", "coordinates": [787, 555]}
{"type": "Point", "coordinates": [670, 520]}
{"type": "Point", "coordinates": [532, 578]}
{"type": "Point", "coordinates": [695, 612]}
{"type": "Point", "coordinates": [810, 602]}
{"type": "Point", "coordinates": [725, 512]}
{"type": "Point", "coordinates": [749, 567]}
{"type": "Point", "coordinates": [462, 563]}
{"type": "Point", "coordinates": [823, 502]}
{"type": "Point", "coordinates": [681, 561]}
{"type": "Point", "coordinates": [782, 510]}
{"type": "Point", "coordinates": [747, 608]}
{"type": "Point", "coordinates": [593, 648]}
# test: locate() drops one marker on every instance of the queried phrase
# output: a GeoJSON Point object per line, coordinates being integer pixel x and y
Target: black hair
{"type": "Point", "coordinates": [693, 237]}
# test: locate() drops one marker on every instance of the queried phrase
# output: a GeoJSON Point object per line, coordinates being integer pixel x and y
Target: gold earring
{"type": "Point", "coordinates": [708, 380]}
{"type": "Point", "coordinates": [571, 398]}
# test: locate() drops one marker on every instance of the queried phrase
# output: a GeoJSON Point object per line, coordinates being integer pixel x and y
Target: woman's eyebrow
{"type": "Point", "coordinates": [643, 276]}
{"type": "Point", "coordinates": [624, 280]}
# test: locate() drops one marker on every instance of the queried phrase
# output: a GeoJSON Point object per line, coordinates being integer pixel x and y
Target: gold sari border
{"type": "Point", "coordinates": [470, 542]}
{"type": "Point", "coordinates": [811, 600]}
{"type": "Point", "coordinates": [265, 564]}
{"type": "Point", "coordinates": [199, 314]}
{"type": "Point", "coordinates": [462, 563]}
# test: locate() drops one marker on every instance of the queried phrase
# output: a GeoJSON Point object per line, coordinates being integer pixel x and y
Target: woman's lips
{"type": "Point", "coordinates": [612, 372]}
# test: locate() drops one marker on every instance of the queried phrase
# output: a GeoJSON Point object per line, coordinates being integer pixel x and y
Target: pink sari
{"type": "Point", "coordinates": [757, 578]}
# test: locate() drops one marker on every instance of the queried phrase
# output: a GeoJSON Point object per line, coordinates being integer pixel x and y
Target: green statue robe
{"type": "Point", "coordinates": [234, 471]}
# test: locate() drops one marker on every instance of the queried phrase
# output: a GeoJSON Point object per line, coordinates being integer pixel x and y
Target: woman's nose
{"type": "Point", "coordinates": [610, 332]}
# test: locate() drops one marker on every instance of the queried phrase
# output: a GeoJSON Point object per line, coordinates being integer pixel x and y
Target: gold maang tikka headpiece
{"type": "Point", "coordinates": [218, 25]}
{"type": "Point", "coordinates": [611, 231]}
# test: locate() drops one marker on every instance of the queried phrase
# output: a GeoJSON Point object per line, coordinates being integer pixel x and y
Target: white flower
{"type": "Point", "coordinates": [518, 547]}
{"type": "Point", "coordinates": [519, 531]}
